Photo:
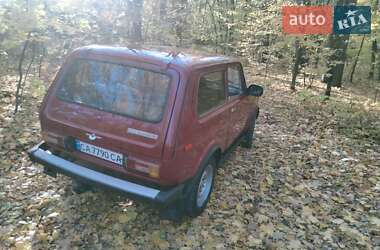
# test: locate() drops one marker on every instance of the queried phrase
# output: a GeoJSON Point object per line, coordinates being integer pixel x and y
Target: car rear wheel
{"type": "Point", "coordinates": [197, 192]}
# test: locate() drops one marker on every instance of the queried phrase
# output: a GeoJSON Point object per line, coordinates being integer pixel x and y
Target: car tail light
{"type": "Point", "coordinates": [51, 138]}
{"type": "Point", "coordinates": [153, 170]}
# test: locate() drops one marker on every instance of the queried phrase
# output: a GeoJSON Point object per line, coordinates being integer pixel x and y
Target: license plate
{"type": "Point", "coordinates": [99, 152]}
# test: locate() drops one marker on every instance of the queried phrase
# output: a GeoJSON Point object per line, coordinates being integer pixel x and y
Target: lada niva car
{"type": "Point", "coordinates": [153, 125]}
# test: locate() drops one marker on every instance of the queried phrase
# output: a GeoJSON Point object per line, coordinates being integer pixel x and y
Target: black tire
{"type": "Point", "coordinates": [249, 135]}
{"type": "Point", "coordinates": [192, 207]}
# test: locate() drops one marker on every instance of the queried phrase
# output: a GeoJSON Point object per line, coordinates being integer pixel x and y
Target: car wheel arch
{"type": "Point", "coordinates": [253, 116]}
{"type": "Point", "coordinates": [212, 151]}
{"type": "Point", "coordinates": [191, 188]}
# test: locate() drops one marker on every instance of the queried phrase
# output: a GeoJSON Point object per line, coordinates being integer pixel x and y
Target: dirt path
{"type": "Point", "coordinates": [302, 186]}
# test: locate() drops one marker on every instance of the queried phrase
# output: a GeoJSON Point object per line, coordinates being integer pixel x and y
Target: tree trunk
{"type": "Point", "coordinates": [27, 72]}
{"type": "Point", "coordinates": [337, 60]}
{"type": "Point", "coordinates": [356, 60]}
{"type": "Point", "coordinates": [42, 57]}
{"type": "Point", "coordinates": [231, 5]}
{"type": "Point", "coordinates": [181, 22]}
{"type": "Point", "coordinates": [328, 90]}
{"type": "Point", "coordinates": [299, 54]}
{"type": "Point", "coordinates": [371, 74]}
{"type": "Point", "coordinates": [296, 65]}
{"type": "Point", "coordinates": [21, 60]}
{"type": "Point", "coordinates": [377, 76]}
{"type": "Point", "coordinates": [163, 20]}
{"type": "Point", "coordinates": [377, 60]}
{"type": "Point", "coordinates": [135, 10]}
{"type": "Point", "coordinates": [214, 24]}
{"type": "Point", "coordinates": [337, 43]}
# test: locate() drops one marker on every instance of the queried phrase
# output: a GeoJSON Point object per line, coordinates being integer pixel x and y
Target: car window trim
{"type": "Point", "coordinates": [243, 84]}
{"type": "Point", "coordinates": [67, 67]}
{"type": "Point", "coordinates": [222, 69]}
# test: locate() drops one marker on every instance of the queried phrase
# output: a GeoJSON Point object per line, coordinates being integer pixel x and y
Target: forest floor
{"type": "Point", "coordinates": [312, 180]}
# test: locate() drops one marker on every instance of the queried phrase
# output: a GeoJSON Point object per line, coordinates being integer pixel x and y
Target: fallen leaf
{"type": "Point", "coordinates": [158, 241]}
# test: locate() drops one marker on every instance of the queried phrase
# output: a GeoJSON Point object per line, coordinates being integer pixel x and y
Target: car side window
{"type": "Point", "coordinates": [235, 81]}
{"type": "Point", "coordinates": [211, 91]}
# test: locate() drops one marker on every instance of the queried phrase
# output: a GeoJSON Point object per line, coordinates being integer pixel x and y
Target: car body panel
{"type": "Point", "coordinates": [183, 137]}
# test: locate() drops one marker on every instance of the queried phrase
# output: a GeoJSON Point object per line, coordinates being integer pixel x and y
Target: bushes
{"type": "Point", "coordinates": [350, 114]}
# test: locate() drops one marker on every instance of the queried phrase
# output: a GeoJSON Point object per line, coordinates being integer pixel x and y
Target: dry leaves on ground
{"type": "Point", "coordinates": [303, 185]}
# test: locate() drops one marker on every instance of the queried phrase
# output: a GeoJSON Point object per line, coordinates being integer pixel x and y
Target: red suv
{"type": "Point", "coordinates": [150, 124]}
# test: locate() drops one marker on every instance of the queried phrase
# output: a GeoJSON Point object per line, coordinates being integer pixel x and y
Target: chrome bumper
{"type": "Point", "coordinates": [40, 154]}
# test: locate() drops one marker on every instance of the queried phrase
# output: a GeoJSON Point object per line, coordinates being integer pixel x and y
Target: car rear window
{"type": "Point", "coordinates": [116, 88]}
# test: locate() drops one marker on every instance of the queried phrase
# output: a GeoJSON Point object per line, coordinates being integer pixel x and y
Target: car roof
{"type": "Point", "coordinates": [161, 56]}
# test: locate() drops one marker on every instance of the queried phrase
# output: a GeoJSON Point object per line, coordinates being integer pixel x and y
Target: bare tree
{"type": "Point", "coordinates": [135, 9]}
{"type": "Point", "coordinates": [20, 72]}
{"type": "Point", "coordinates": [356, 60]}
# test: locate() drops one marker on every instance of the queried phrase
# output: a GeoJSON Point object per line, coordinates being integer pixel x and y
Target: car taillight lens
{"type": "Point", "coordinates": [154, 172]}
{"type": "Point", "coordinates": [51, 138]}
{"type": "Point", "coordinates": [151, 169]}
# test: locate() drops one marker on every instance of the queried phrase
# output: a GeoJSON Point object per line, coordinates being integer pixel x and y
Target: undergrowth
{"type": "Point", "coordinates": [352, 116]}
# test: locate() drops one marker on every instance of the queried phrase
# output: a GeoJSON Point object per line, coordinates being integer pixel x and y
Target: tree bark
{"type": "Point", "coordinates": [135, 10]}
{"type": "Point", "coordinates": [163, 20]}
{"type": "Point", "coordinates": [180, 24]}
{"type": "Point", "coordinates": [356, 60]}
{"type": "Point", "coordinates": [21, 60]}
{"type": "Point", "coordinates": [377, 58]}
{"type": "Point", "coordinates": [41, 60]}
{"type": "Point", "coordinates": [296, 65]}
{"type": "Point", "coordinates": [214, 24]}
{"type": "Point", "coordinates": [27, 72]}
{"type": "Point", "coordinates": [299, 54]}
{"type": "Point", "coordinates": [334, 75]}
{"type": "Point", "coordinates": [371, 74]}
{"type": "Point", "coordinates": [231, 5]}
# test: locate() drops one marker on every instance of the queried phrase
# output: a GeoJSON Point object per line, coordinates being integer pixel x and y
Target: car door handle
{"type": "Point", "coordinates": [233, 110]}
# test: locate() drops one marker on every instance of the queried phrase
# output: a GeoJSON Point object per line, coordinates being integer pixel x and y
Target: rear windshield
{"type": "Point", "coordinates": [116, 88]}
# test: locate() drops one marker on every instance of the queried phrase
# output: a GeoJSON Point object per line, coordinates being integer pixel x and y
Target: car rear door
{"type": "Point", "coordinates": [140, 141]}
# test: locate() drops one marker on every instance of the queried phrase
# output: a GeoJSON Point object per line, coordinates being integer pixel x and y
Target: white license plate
{"type": "Point", "coordinates": [99, 152]}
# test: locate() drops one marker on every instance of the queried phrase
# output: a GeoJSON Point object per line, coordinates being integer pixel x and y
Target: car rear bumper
{"type": "Point", "coordinates": [54, 163]}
